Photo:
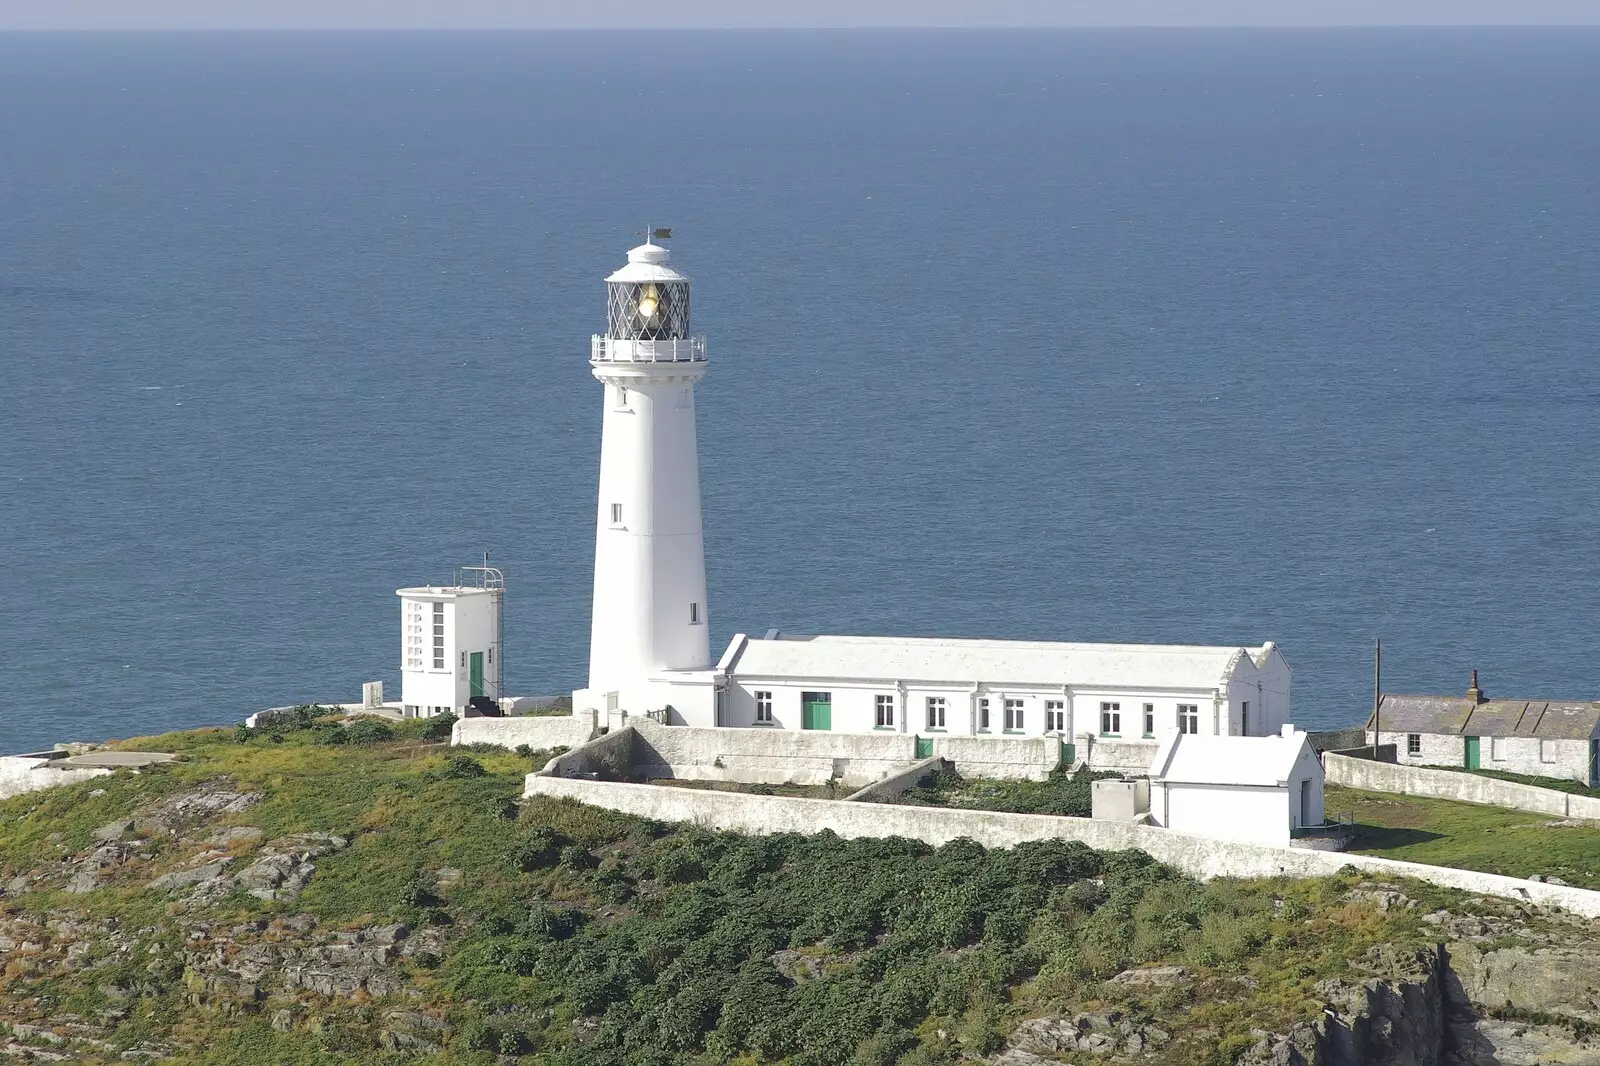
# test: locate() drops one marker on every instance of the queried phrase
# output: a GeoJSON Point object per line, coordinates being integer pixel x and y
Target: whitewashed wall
{"type": "Point", "coordinates": [1566, 759]}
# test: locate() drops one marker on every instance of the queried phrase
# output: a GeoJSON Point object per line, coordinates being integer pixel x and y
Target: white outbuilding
{"type": "Point", "coordinates": [1260, 790]}
{"type": "Point", "coordinates": [450, 653]}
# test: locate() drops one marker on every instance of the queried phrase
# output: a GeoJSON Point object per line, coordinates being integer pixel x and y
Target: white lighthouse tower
{"type": "Point", "coordinates": [649, 557]}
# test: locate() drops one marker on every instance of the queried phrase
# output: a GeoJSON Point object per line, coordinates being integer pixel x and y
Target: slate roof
{"type": "Point", "coordinates": [994, 661]}
{"type": "Point", "coordinates": [1546, 719]}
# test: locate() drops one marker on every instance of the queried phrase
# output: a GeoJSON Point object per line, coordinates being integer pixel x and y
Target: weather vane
{"type": "Point", "coordinates": [655, 234]}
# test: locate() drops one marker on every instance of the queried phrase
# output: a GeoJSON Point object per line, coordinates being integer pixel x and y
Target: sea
{"type": "Point", "coordinates": [1194, 336]}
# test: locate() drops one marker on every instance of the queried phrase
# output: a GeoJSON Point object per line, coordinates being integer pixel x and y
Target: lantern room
{"type": "Point", "coordinates": [647, 300]}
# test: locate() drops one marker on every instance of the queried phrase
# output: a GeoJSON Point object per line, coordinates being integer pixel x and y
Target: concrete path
{"type": "Point", "coordinates": [116, 760]}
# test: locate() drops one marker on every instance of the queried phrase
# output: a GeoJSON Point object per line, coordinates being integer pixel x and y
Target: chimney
{"type": "Point", "coordinates": [1475, 694]}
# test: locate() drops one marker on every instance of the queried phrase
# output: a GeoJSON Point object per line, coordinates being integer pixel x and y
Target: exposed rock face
{"type": "Point", "coordinates": [1097, 1034]}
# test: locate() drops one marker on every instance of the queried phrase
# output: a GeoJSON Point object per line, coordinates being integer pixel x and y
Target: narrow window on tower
{"type": "Point", "coordinates": [616, 514]}
{"type": "Point", "coordinates": [622, 396]}
{"type": "Point", "coordinates": [694, 614]}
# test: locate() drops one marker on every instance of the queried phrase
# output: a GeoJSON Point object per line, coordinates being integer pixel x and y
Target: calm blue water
{"type": "Point", "coordinates": [1150, 336]}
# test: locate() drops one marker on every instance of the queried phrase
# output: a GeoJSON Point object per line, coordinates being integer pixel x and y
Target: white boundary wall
{"type": "Point", "coordinates": [1197, 856]}
{"type": "Point", "coordinates": [539, 731]}
{"type": "Point", "coordinates": [814, 757]}
{"type": "Point", "coordinates": [1456, 785]}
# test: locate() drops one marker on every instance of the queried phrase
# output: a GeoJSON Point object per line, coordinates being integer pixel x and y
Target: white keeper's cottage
{"type": "Point", "coordinates": [649, 644]}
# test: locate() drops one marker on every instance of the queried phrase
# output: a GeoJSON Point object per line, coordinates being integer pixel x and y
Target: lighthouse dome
{"type": "Point", "coordinates": [648, 262]}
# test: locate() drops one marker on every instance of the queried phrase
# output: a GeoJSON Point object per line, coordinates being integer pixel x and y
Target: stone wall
{"type": "Point", "coordinates": [1197, 856]}
{"type": "Point", "coordinates": [1456, 785]}
{"type": "Point", "coordinates": [893, 785]}
{"type": "Point", "coordinates": [609, 755]}
{"type": "Point", "coordinates": [1025, 758]}
{"type": "Point", "coordinates": [1566, 759]}
{"type": "Point", "coordinates": [1338, 739]}
{"type": "Point", "coordinates": [1114, 753]}
{"type": "Point", "coordinates": [544, 731]}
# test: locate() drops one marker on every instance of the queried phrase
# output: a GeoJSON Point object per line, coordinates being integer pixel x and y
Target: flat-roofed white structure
{"type": "Point", "coordinates": [1256, 789]}
{"type": "Point", "coordinates": [449, 648]}
{"type": "Point", "coordinates": [931, 685]}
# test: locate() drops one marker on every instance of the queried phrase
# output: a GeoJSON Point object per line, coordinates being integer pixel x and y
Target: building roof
{"type": "Point", "coordinates": [1196, 759]}
{"type": "Point", "coordinates": [992, 661]}
{"type": "Point", "coordinates": [1467, 716]}
{"type": "Point", "coordinates": [647, 262]}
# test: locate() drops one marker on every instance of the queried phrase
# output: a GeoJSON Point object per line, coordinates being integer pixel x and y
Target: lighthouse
{"type": "Point", "coordinates": [649, 609]}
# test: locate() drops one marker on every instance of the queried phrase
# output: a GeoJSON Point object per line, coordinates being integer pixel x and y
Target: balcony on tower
{"type": "Point", "coordinates": [647, 313]}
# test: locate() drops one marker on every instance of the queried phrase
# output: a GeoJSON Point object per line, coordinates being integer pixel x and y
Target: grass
{"type": "Point", "coordinates": [1559, 784]}
{"type": "Point", "coordinates": [1468, 836]}
{"type": "Point", "coordinates": [1062, 793]}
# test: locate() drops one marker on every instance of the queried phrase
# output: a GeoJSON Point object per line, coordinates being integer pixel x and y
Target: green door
{"type": "Point", "coordinates": [816, 710]}
{"type": "Point", "coordinates": [924, 748]}
{"type": "Point", "coordinates": [1069, 755]}
{"type": "Point", "coordinates": [475, 665]}
{"type": "Point", "coordinates": [1472, 753]}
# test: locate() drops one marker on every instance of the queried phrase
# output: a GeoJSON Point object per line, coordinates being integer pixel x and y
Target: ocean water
{"type": "Point", "coordinates": [1198, 336]}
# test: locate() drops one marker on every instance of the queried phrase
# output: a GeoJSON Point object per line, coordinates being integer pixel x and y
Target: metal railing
{"type": "Point", "coordinates": [603, 349]}
{"type": "Point", "coordinates": [1333, 828]}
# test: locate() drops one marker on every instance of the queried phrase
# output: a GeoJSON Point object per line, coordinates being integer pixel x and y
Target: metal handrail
{"type": "Point", "coordinates": [603, 349]}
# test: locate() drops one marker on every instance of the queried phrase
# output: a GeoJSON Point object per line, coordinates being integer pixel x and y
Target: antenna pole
{"type": "Point", "coordinates": [1377, 690]}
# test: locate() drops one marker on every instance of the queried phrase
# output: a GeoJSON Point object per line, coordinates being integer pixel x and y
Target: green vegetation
{"type": "Point", "coordinates": [1469, 836]}
{"type": "Point", "coordinates": [1559, 784]}
{"type": "Point", "coordinates": [1061, 793]}
{"type": "Point", "coordinates": [570, 935]}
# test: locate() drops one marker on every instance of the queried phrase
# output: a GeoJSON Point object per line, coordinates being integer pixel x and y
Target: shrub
{"type": "Point", "coordinates": [537, 849]}
{"type": "Point", "coordinates": [461, 767]}
{"type": "Point", "coordinates": [361, 731]}
{"type": "Point", "coordinates": [439, 726]}
{"type": "Point", "coordinates": [523, 750]}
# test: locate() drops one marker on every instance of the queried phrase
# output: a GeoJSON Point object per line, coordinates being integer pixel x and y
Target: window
{"type": "Point", "coordinates": [1547, 751]}
{"type": "Point", "coordinates": [935, 712]}
{"type": "Point", "coordinates": [1244, 718]}
{"type": "Point", "coordinates": [764, 707]}
{"type": "Point", "coordinates": [438, 636]}
{"type": "Point", "coordinates": [1497, 748]}
{"type": "Point", "coordinates": [1055, 716]}
{"type": "Point", "coordinates": [411, 710]}
{"type": "Point", "coordinates": [983, 715]}
{"type": "Point", "coordinates": [694, 614]}
{"type": "Point", "coordinates": [1111, 719]}
{"type": "Point", "coordinates": [616, 514]}
{"type": "Point", "coordinates": [622, 396]}
{"type": "Point", "coordinates": [1013, 721]}
{"type": "Point", "coordinates": [463, 660]}
{"type": "Point", "coordinates": [1149, 719]}
{"type": "Point", "coordinates": [491, 655]}
{"type": "Point", "coordinates": [883, 712]}
{"type": "Point", "coordinates": [1413, 744]}
{"type": "Point", "coordinates": [1188, 718]}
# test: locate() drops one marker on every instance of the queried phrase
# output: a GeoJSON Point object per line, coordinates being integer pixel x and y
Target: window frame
{"type": "Point", "coordinates": [1055, 716]}
{"type": "Point", "coordinates": [983, 714]}
{"type": "Point", "coordinates": [1111, 718]}
{"type": "Point", "coordinates": [1189, 719]}
{"type": "Point", "coordinates": [763, 699]}
{"type": "Point", "coordinates": [1149, 720]}
{"type": "Point", "coordinates": [883, 707]}
{"type": "Point", "coordinates": [934, 704]}
{"type": "Point", "coordinates": [1413, 745]}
